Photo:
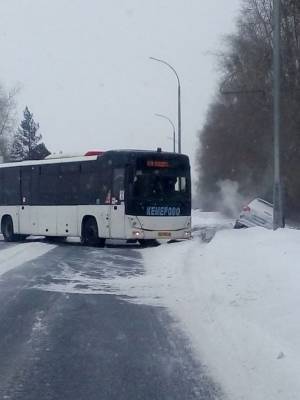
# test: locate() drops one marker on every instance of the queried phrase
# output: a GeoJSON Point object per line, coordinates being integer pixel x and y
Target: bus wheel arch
{"type": "Point", "coordinates": [7, 229]}
{"type": "Point", "coordinates": [90, 232]}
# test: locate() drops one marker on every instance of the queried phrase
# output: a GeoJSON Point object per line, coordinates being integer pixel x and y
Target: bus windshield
{"type": "Point", "coordinates": [159, 184]}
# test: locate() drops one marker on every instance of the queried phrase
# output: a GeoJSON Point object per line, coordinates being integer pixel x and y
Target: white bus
{"type": "Point", "coordinates": [117, 194]}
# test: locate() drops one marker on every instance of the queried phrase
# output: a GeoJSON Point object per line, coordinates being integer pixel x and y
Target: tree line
{"type": "Point", "coordinates": [23, 142]}
{"type": "Point", "coordinates": [236, 142]}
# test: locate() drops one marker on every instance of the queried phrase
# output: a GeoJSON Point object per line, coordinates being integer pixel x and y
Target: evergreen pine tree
{"type": "Point", "coordinates": [26, 144]}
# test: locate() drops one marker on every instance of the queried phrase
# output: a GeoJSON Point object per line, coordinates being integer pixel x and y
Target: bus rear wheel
{"type": "Point", "coordinates": [89, 235]}
{"type": "Point", "coordinates": [7, 229]}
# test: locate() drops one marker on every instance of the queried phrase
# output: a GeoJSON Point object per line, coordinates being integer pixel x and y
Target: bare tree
{"type": "Point", "coordinates": [236, 141]}
{"type": "Point", "coordinates": [7, 119]}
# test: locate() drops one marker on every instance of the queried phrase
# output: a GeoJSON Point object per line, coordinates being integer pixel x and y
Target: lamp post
{"type": "Point", "coordinates": [179, 99]}
{"type": "Point", "coordinates": [173, 126]}
{"type": "Point", "coordinates": [278, 217]}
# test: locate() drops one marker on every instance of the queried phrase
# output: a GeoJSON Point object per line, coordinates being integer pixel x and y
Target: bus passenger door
{"type": "Point", "coordinates": [25, 223]}
{"type": "Point", "coordinates": [117, 205]}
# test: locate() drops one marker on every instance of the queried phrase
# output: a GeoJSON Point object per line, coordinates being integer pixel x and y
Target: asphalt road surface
{"type": "Point", "coordinates": [64, 335]}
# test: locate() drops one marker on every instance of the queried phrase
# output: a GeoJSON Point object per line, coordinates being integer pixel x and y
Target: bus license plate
{"type": "Point", "coordinates": [164, 234]}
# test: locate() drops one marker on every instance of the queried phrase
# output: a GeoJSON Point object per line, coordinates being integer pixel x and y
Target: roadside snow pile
{"type": "Point", "coordinates": [238, 299]}
{"type": "Point", "coordinates": [210, 219]}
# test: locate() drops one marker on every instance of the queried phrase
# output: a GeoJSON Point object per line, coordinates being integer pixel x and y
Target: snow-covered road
{"type": "Point", "coordinates": [67, 332]}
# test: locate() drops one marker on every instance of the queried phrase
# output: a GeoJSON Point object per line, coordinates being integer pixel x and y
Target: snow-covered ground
{"type": "Point", "coordinates": [236, 298]}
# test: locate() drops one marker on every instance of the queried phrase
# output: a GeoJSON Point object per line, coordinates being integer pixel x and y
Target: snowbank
{"type": "Point", "coordinates": [206, 224]}
{"type": "Point", "coordinates": [237, 298]}
{"type": "Point", "coordinates": [202, 219]}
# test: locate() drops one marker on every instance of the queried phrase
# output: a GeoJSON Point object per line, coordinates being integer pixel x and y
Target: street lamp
{"type": "Point", "coordinates": [179, 99]}
{"type": "Point", "coordinates": [173, 126]}
{"type": "Point", "coordinates": [278, 217]}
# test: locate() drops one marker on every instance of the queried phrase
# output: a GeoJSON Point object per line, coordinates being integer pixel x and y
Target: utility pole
{"type": "Point", "coordinates": [278, 216]}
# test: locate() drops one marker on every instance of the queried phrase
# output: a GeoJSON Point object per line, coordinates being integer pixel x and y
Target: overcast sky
{"type": "Point", "coordinates": [85, 73]}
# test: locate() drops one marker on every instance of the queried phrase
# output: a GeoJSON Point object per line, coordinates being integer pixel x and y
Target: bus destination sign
{"type": "Point", "coordinates": [158, 163]}
{"type": "Point", "coordinates": [163, 211]}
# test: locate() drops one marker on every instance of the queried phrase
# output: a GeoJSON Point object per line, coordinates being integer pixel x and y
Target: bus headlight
{"type": "Point", "coordinates": [138, 234]}
{"type": "Point", "coordinates": [187, 234]}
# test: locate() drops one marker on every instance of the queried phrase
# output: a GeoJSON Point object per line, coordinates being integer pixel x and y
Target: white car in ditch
{"type": "Point", "coordinates": [258, 212]}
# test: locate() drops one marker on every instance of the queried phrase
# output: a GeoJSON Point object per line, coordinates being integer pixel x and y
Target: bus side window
{"type": "Point", "coordinates": [11, 185]}
{"type": "Point", "coordinates": [90, 184]}
{"type": "Point", "coordinates": [68, 190]}
{"type": "Point", "coordinates": [180, 185]}
{"type": "Point", "coordinates": [118, 186]}
{"type": "Point", "coordinates": [48, 183]}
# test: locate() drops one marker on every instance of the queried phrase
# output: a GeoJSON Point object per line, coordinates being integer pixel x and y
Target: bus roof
{"type": "Point", "coordinates": [125, 152]}
{"type": "Point", "coordinates": [146, 153]}
{"type": "Point", "coordinates": [47, 161]}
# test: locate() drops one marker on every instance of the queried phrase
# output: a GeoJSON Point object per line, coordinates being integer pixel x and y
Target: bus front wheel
{"type": "Point", "coordinates": [7, 229]}
{"type": "Point", "coordinates": [89, 234]}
